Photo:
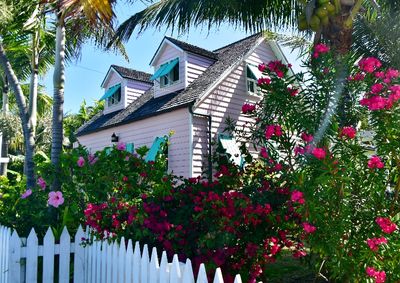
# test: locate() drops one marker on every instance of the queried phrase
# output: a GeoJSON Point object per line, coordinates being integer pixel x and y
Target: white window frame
{"type": "Point", "coordinates": [257, 89]}
{"type": "Point", "coordinates": [169, 76]}
{"type": "Point", "coordinates": [112, 100]}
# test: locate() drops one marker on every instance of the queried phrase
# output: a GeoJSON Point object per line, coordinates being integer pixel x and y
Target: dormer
{"type": "Point", "coordinates": [176, 64]}
{"type": "Point", "coordinates": [122, 86]}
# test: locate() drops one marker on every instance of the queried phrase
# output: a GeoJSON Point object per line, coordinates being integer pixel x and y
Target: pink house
{"type": "Point", "coordinates": [192, 92]}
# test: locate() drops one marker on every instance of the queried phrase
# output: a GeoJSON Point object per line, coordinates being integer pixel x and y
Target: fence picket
{"type": "Point", "coordinates": [136, 263]}
{"type": "Point", "coordinates": [79, 257]}
{"type": "Point", "coordinates": [32, 257]}
{"type": "Point", "coordinates": [175, 274]}
{"type": "Point", "coordinates": [188, 276]}
{"type": "Point", "coordinates": [48, 257]}
{"type": "Point", "coordinates": [218, 276]}
{"type": "Point", "coordinates": [238, 279]}
{"type": "Point", "coordinates": [115, 262]}
{"type": "Point", "coordinates": [109, 263]}
{"type": "Point", "coordinates": [164, 270]}
{"type": "Point", "coordinates": [98, 261]}
{"type": "Point", "coordinates": [103, 275]}
{"type": "Point", "coordinates": [154, 269]}
{"type": "Point", "coordinates": [89, 258]}
{"type": "Point", "coordinates": [144, 265]}
{"type": "Point", "coordinates": [202, 275]}
{"type": "Point", "coordinates": [65, 255]}
{"type": "Point", "coordinates": [129, 262]}
{"type": "Point", "coordinates": [5, 235]}
{"type": "Point", "coordinates": [14, 274]}
{"type": "Point", "coordinates": [121, 261]}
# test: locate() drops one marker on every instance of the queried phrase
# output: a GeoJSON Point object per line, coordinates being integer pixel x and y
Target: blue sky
{"type": "Point", "coordinates": [84, 77]}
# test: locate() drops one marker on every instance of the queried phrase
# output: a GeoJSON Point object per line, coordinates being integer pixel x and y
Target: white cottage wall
{"type": "Point", "coordinates": [224, 101]}
{"type": "Point", "coordinates": [143, 132]}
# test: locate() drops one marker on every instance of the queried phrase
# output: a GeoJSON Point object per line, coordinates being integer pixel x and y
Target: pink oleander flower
{"type": "Point", "coordinates": [248, 108]}
{"type": "Point", "coordinates": [375, 162]}
{"type": "Point", "coordinates": [348, 132]}
{"type": "Point", "coordinates": [92, 159]}
{"type": "Point", "coordinates": [121, 146]}
{"type": "Point", "coordinates": [374, 103]}
{"type": "Point", "coordinates": [42, 183]}
{"type": "Point", "coordinates": [376, 88]}
{"type": "Point", "coordinates": [81, 161]}
{"type": "Point", "coordinates": [273, 130]}
{"type": "Point", "coordinates": [26, 194]}
{"type": "Point", "coordinates": [299, 150]}
{"type": "Point", "coordinates": [297, 196]}
{"type": "Point", "coordinates": [55, 199]}
{"type": "Point", "coordinates": [263, 81]}
{"type": "Point", "coordinates": [263, 152]}
{"type": "Point", "coordinates": [293, 91]}
{"type": "Point", "coordinates": [320, 49]}
{"type": "Point", "coordinates": [319, 153]}
{"type": "Point", "coordinates": [308, 228]}
{"type": "Point", "coordinates": [374, 243]}
{"type": "Point", "coordinates": [379, 276]}
{"type": "Point", "coordinates": [262, 67]}
{"type": "Point", "coordinates": [277, 67]}
{"type": "Point", "coordinates": [369, 64]}
{"type": "Point", "coordinates": [386, 225]}
{"type": "Point", "coordinates": [357, 77]}
{"type": "Point", "coordinates": [306, 137]}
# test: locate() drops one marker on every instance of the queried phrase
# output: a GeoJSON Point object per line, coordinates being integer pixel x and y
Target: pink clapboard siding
{"type": "Point", "coordinates": [224, 101]}
{"type": "Point", "coordinates": [168, 53]}
{"type": "Point", "coordinates": [196, 65]}
{"type": "Point", "coordinates": [143, 132]}
{"type": "Point", "coordinates": [133, 90]}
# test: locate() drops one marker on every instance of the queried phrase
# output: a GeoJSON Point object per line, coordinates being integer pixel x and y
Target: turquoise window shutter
{"type": "Point", "coordinates": [129, 147]}
{"type": "Point", "coordinates": [231, 147]}
{"type": "Point", "coordinates": [111, 91]}
{"type": "Point", "coordinates": [155, 148]}
{"type": "Point", "coordinates": [164, 69]}
{"type": "Point", "coordinates": [108, 151]}
{"type": "Point", "coordinates": [255, 73]}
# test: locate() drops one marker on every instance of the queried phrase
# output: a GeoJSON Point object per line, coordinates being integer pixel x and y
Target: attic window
{"type": "Point", "coordinates": [252, 76]}
{"type": "Point", "coordinates": [112, 95]}
{"type": "Point", "coordinates": [168, 73]}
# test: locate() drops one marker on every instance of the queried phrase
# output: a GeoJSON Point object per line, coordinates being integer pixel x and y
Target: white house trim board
{"type": "Point", "coordinates": [103, 83]}
{"type": "Point", "coordinates": [160, 47]}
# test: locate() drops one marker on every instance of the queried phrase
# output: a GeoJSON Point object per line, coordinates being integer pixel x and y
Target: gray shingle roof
{"type": "Point", "coordinates": [146, 105]}
{"type": "Point", "coordinates": [132, 74]}
{"type": "Point", "coordinates": [193, 49]}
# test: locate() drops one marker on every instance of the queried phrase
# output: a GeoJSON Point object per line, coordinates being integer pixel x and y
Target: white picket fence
{"type": "Point", "coordinates": [101, 262]}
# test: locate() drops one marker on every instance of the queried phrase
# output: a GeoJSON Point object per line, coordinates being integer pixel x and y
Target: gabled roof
{"type": "Point", "coordinates": [146, 105]}
{"type": "Point", "coordinates": [128, 73]}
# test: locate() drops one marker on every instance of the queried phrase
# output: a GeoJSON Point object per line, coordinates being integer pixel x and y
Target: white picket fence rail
{"type": "Point", "coordinates": [23, 260]}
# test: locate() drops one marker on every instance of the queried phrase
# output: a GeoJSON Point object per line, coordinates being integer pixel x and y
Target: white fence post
{"type": "Point", "coordinates": [5, 235]}
{"type": "Point", "coordinates": [14, 271]}
{"type": "Point", "coordinates": [65, 254]}
{"type": "Point", "coordinates": [79, 257]}
{"type": "Point", "coordinates": [48, 257]}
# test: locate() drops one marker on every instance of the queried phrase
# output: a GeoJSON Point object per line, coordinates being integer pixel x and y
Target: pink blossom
{"type": "Point", "coordinates": [26, 194]}
{"type": "Point", "coordinates": [92, 159]}
{"type": "Point", "coordinates": [269, 131]}
{"type": "Point", "coordinates": [374, 103]}
{"type": "Point", "coordinates": [293, 91]}
{"type": "Point", "coordinates": [374, 243]}
{"type": "Point", "coordinates": [81, 161]}
{"type": "Point", "coordinates": [306, 137]}
{"type": "Point", "coordinates": [263, 152]}
{"type": "Point", "coordinates": [308, 228]}
{"type": "Point", "coordinates": [42, 183]}
{"type": "Point", "coordinates": [391, 74]}
{"type": "Point", "coordinates": [262, 67]}
{"type": "Point", "coordinates": [55, 199]}
{"type": "Point", "coordinates": [376, 88]}
{"type": "Point", "coordinates": [357, 77]}
{"type": "Point", "coordinates": [369, 64]}
{"type": "Point", "coordinates": [263, 81]}
{"type": "Point", "coordinates": [321, 48]}
{"type": "Point", "coordinates": [298, 254]}
{"type": "Point", "coordinates": [248, 108]}
{"type": "Point", "coordinates": [375, 162]}
{"type": "Point", "coordinates": [348, 132]}
{"type": "Point", "coordinates": [121, 146]}
{"type": "Point", "coordinates": [299, 150]}
{"type": "Point", "coordinates": [319, 153]}
{"type": "Point", "coordinates": [297, 196]}
{"type": "Point", "coordinates": [386, 225]}
{"type": "Point", "coordinates": [379, 276]}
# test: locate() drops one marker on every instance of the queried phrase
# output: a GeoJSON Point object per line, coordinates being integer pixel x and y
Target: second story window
{"type": "Point", "coordinates": [168, 73]}
{"type": "Point", "coordinates": [252, 76]}
{"type": "Point", "coordinates": [112, 95]}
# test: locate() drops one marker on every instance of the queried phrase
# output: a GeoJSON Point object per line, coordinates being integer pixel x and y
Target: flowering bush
{"type": "Point", "coordinates": [350, 199]}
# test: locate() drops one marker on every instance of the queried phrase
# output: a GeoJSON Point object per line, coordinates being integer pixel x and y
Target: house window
{"type": "Point", "coordinates": [171, 77]}
{"type": "Point", "coordinates": [115, 98]}
{"type": "Point", "coordinates": [252, 76]}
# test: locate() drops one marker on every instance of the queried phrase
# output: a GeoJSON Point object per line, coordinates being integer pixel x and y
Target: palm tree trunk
{"type": "Point", "coordinates": [58, 100]}
{"type": "Point", "coordinates": [33, 88]}
{"type": "Point", "coordinates": [5, 105]}
{"type": "Point", "coordinates": [4, 142]}
{"type": "Point", "coordinates": [29, 140]}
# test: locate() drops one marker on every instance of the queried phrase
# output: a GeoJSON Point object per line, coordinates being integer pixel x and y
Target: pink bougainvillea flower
{"type": "Point", "coordinates": [319, 153]}
{"type": "Point", "coordinates": [369, 64]}
{"type": "Point", "coordinates": [248, 108]}
{"type": "Point", "coordinates": [374, 103]}
{"type": "Point", "coordinates": [374, 243]}
{"type": "Point", "coordinates": [379, 276]}
{"type": "Point", "coordinates": [26, 194]}
{"type": "Point", "coordinates": [297, 196]}
{"type": "Point", "coordinates": [308, 228]}
{"type": "Point", "coordinates": [376, 88]}
{"type": "Point", "coordinates": [42, 183]}
{"type": "Point", "coordinates": [81, 161]}
{"type": "Point", "coordinates": [306, 137]}
{"type": "Point", "coordinates": [386, 225]}
{"type": "Point", "coordinates": [121, 146]}
{"type": "Point", "coordinates": [375, 162]}
{"type": "Point", "coordinates": [348, 132]}
{"type": "Point", "coordinates": [55, 199]}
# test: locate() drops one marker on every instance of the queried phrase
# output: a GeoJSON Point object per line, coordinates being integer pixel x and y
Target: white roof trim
{"type": "Point", "coordinates": [158, 52]}
{"type": "Point", "coordinates": [280, 55]}
{"type": "Point", "coordinates": [108, 75]}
